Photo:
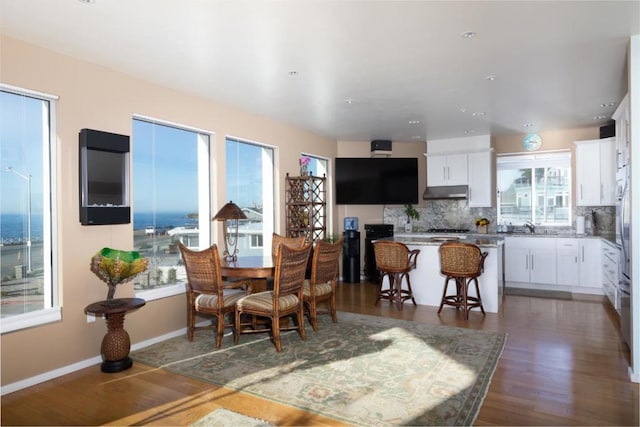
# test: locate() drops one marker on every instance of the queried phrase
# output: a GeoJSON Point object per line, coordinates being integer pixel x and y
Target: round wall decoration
{"type": "Point", "coordinates": [532, 142]}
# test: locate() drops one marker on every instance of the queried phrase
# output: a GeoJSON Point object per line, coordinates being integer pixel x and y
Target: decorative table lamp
{"type": "Point", "coordinates": [230, 213]}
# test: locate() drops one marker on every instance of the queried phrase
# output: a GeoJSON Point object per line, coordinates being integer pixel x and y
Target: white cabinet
{"type": "Point", "coordinates": [610, 273]}
{"type": "Point", "coordinates": [596, 172]}
{"type": "Point", "coordinates": [480, 179]}
{"type": "Point", "coordinates": [623, 135]}
{"type": "Point", "coordinates": [530, 260]}
{"type": "Point", "coordinates": [449, 169]}
{"type": "Point", "coordinates": [579, 262]}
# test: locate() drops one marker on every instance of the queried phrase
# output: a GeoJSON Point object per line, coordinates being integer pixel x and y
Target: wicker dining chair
{"type": "Point", "coordinates": [207, 292]}
{"type": "Point", "coordinates": [394, 260]}
{"type": "Point", "coordinates": [464, 263]}
{"type": "Point", "coordinates": [285, 298]}
{"type": "Point", "coordinates": [321, 287]}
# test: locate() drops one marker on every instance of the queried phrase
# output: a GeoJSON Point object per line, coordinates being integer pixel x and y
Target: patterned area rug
{"type": "Point", "coordinates": [364, 370]}
{"type": "Point", "coordinates": [225, 418]}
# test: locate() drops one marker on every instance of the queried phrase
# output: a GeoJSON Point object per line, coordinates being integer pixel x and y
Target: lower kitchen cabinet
{"type": "Point", "coordinates": [530, 260]}
{"type": "Point", "coordinates": [579, 262]}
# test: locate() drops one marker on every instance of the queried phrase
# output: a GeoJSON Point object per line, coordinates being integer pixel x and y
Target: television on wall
{"type": "Point", "coordinates": [376, 180]}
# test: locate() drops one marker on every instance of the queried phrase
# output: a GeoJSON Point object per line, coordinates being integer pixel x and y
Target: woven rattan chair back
{"type": "Point", "coordinates": [285, 298]}
{"type": "Point", "coordinates": [460, 259]}
{"type": "Point", "coordinates": [203, 269]}
{"type": "Point", "coordinates": [463, 263]}
{"type": "Point", "coordinates": [291, 265]}
{"type": "Point", "coordinates": [277, 239]}
{"type": "Point", "coordinates": [325, 262]}
{"type": "Point", "coordinates": [322, 283]}
{"type": "Point", "coordinates": [394, 261]}
{"type": "Point", "coordinates": [391, 256]}
{"type": "Point", "coordinates": [207, 292]}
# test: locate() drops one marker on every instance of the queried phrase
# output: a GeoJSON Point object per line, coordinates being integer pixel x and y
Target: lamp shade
{"type": "Point", "coordinates": [229, 211]}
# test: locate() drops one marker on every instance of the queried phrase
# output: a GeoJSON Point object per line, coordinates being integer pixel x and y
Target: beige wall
{"type": "Point", "coordinates": [95, 97]}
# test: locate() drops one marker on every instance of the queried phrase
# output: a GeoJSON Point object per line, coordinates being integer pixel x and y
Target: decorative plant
{"type": "Point", "coordinates": [114, 267]}
{"type": "Point", "coordinates": [481, 221]}
{"type": "Point", "coordinates": [304, 164]}
{"type": "Point", "coordinates": [411, 212]}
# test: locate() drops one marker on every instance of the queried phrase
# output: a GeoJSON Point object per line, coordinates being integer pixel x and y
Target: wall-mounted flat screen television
{"type": "Point", "coordinates": [376, 180]}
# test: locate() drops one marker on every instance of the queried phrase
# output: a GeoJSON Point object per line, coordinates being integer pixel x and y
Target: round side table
{"type": "Point", "coordinates": [115, 344]}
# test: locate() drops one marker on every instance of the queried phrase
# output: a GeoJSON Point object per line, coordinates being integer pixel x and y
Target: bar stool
{"type": "Point", "coordinates": [395, 260]}
{"type": "Point", "coordinates": [464, 263]}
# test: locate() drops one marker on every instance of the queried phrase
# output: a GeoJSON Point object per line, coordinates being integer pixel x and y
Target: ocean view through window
{"type": "Point", "coordinates": [250, 185]}
{"type": "Point", "coordinates": [171, 198]}
{"type": "Point", "coordinates": [28, 294]}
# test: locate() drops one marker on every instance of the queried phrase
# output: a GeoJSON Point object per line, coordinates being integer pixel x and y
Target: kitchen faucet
{"type": "Point", "coordinates": [530, 226]}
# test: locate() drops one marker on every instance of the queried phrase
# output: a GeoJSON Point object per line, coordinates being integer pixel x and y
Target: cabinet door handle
{"type": "Point", "coordinates": [583, 254]}
{"type": "Point", "coordinates": [531, 262]}
{"type": "Point", "coordinates": [444, 173]}
{"type": "Point", "coordinates": [526, 262]}
{"type": "Point", "coordinates": [581, 196]}
{"type": "Point", "coordinates": [576, 260]}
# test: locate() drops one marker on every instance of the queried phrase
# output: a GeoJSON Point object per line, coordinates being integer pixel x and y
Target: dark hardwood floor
{"type": "Point", "coordinates": [563, 364]}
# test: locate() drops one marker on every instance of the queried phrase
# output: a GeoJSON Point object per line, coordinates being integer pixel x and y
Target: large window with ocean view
{"type": "Point", "coordinates": [28, 287]}
{"type": "Point", "coordinates": [171, 194]}
{"type": "Point", "coordinates": [250, 185]}
{"type": "Point", "coordinates": [534, 188]}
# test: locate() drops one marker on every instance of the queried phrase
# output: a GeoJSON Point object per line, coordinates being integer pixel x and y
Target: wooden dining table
{"type": "Point", "coordinates": [255, 268]}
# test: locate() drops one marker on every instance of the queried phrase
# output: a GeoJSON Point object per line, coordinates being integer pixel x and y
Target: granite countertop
{"type": "Point", "coordinates": [428, 239]}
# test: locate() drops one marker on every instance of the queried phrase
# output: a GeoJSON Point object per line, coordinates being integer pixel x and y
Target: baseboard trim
{"type": "Point", "coordinates": [65, 370]}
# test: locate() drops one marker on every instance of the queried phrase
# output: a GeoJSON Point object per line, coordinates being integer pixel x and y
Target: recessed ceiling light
{"type": "Point", "coordinates": [468, 35]}
{"type": "Point", "coordinates": [349, 101]}
{"type": "Point", "coordinates": [414, 122]}
{"type": "Point", "coordinates": [293, 73]}
{"type": "Point", "coordinates": [600, 117]}
{"type": "Point", "coordinates": [608, 104]}
{"type": "Point", "coordinates": [463, 110]}
{"type": "Point", "coordinates": [478, 114]}
{"type": "Point", "coordinates": [491, 78]}
{"type": "Point", "coordinates": [527, 125]}
{"type": "Point", "coordinates": [468, 131]}
{"type": "Point", "coordinates": [87, 1]}
{"type": "Point", "coordinates": [415, 137]}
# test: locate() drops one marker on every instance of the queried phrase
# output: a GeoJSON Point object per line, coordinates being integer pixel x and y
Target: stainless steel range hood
{"type": "Point", "coordinates": [446, 192]}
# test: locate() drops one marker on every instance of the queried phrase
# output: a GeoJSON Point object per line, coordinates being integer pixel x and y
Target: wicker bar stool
{"type": "Point", "coordinates": [394, 260]}
{"type": "Point", "coordinates": [464, 263]}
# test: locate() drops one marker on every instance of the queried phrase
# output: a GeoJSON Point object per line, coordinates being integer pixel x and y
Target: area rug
{"type": "Point", "coordinates": [364, 370]}
{"type": "Point", "coordinates": [225, 418]}
{"type": "Point", "coordinates": [538, 293]}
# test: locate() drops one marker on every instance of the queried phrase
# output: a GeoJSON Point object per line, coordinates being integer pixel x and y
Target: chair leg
{"type": "Point", "coordinates": [275, 331]}
{"type": "Point", "coordinates": [332, 307]}
{"type": "Point", "coordinates": [409, 288]}
{"type": "Point", "coordinates": [303, 332]}
{"type": "Point", "coordinates": [236, 327]}
{"type": "Point", "coordinates": [313, 314]}
{"type": "Point", "coordinates": [444, 294]}
{"type": "Point", "coordinates": [475, 279]}
{"type": "Point", "coordinates": [219, 329]}
{"type": "Point", "coordinates": [465, 300]}
{"type": "Point", "coordinates": [191, 326]}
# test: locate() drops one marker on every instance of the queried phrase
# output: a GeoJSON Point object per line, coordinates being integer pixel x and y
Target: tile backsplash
{"type": "Point", "coordinates": [457, 214]}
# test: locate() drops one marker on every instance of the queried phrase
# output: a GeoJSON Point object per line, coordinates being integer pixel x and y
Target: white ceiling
{"type": "Point", "coordinates": [554, 62]}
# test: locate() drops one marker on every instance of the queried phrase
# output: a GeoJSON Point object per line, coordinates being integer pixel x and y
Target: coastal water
{"type": "Point", "coordinates": [13, 227]}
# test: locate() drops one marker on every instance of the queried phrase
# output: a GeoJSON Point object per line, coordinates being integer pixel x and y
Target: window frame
{"type": "Point", "coordinates": [53, 313]}
{"type": "Point", "coordinates": [204, 192]}
{"type": "Point", "coordinates": [559, 159]}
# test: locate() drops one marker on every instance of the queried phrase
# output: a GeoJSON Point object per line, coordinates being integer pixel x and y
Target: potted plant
{"type": "Point", "coordinates": [411, 212]}
{"type": "Point", "coordinates": [481, 225]}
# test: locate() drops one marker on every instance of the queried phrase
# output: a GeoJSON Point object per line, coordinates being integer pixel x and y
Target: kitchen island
{"type": "Point", "coordinates": [427, 282]}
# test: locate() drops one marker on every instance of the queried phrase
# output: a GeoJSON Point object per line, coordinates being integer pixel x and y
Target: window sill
{"type": "Point", "coordinates": [29, 320]}
{"type": "Point", "coordinates": [163, 292]}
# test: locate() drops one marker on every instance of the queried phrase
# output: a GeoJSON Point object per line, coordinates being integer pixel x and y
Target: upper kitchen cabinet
{"type": "Point", "coordinates": [596, 172]}
{"type": "Point", "coordinates": [623, 135]}
{"type": "Point", "coordinates": [480, 179]}
{"type": "Point", "coordinates": [449, 169]}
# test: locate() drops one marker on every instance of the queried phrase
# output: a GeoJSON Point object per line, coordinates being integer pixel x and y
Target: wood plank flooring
{"type": "Point", "coordinates": [563, 364]}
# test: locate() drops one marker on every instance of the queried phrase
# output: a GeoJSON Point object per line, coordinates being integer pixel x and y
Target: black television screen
{"type": "Point", "coordinates": [376, 180]}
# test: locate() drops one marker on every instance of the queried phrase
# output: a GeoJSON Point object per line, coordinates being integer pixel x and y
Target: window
{"type": "Point", "coordinates": [318, 166]}
{"type": "Point", "coordinates": [250, 185]}
{"type": "Point", "coordinates": [535, 188]}
{"type": "Point", "coordinates": [29, 290]}
{"type": "Point", "coordinates": [170, 201]}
